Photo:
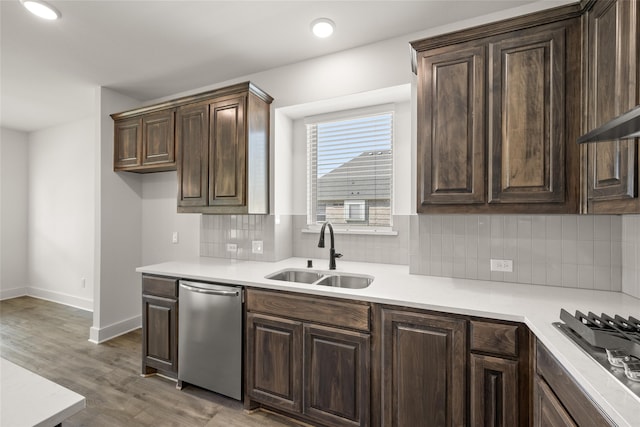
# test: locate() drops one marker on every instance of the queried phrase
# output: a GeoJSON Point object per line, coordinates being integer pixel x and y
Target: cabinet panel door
{"type": "Point", "coordinates": [548, 411]}
{"type": "Point", "coordinates": [451, 127]}
{"type": "Point", "coordinates": [612, 64]}
{"type": "Point", "coordinates": [227, 153]}
{"type": "Point", "coordinates": [192, 136]}
{"type": "Point", "coordinates": [128, 143]}
{"type": "Point", "coordinates": [160, 340]}
{"type": "Point", "coordinates": [158, 138]}
{"type": "Point", "coordinates": [423, 370]}
{"type": "Point", "coordinates": [494, 391]}
{"type": "Point", "coordinates": [336, 376]}
{"type": "Point", "coordinates": [527, 118]}
{"type": "Point", "coordinates": [274, 361]}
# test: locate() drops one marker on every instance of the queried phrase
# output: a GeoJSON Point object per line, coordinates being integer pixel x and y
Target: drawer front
{"type": "Point", "coordinates": [494, 338]}
{"type": "Point", "coordinates": [312, 309]}
{"type": "Point", "coordinates": [160, 286]}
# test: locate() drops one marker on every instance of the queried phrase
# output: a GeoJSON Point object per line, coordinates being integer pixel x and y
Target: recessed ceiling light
{"type": "Point", "coordinates": [41, 9]}
{"type": "Point", "coordinates": [322, 27]}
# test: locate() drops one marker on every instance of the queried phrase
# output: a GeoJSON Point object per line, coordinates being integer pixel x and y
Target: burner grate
{"type": "Point", "coordinates": [613, 342]}
{"type": "Point", "coordinates": [605, 331]}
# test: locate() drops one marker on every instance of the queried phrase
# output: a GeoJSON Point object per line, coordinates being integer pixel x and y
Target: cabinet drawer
{"type": "Point", "coordinates": [311, 309]}
{"type": "Point", "coordinates": [160, 286]}
{"type": "Point", "coordinates": [494, 338]}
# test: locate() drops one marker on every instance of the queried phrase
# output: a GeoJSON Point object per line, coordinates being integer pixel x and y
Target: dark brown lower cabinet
{"type": "Point", "coordinates": [548, 411]}
{"type": "Point", "coordinates": [559, 400]}
{"type": "Point", "coordinates": [494, 391]}
{"type": "Point", "coordinates": [159, 325]}
{"type": "Point", "coordinates": [309, 357]}
{"type": "Point", "coordinates": [336, 376]}
{"type": "Point", "coordinates": [275, 364]}
{"type": "Point", "coordinates": [423, 369]}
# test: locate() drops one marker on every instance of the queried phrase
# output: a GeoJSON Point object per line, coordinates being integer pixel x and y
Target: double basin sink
{"type": "Point", "coordinates": [322, 278]}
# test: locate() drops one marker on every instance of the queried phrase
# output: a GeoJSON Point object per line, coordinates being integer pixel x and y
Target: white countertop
{"type": "Point", "coordinates": [536, 306]}
{"type": "Point", "coordinates": [27, 399]}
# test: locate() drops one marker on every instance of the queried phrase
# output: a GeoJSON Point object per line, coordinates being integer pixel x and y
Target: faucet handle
{"type": "Point", "coordinates": [338, 255]}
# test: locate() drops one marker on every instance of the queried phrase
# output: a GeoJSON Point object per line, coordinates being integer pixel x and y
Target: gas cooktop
{"type": "Point", "coordinates": [613, 342]}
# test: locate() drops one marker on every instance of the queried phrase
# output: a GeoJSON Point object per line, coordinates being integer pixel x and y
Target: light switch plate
{"type": "Point", "coordinates": [256, 246]}
{"type": "Point", "coordinates": [174, 237]}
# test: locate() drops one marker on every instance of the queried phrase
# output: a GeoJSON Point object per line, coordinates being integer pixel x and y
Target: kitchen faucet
{"type": "Point", "coordinates": [332, 251]}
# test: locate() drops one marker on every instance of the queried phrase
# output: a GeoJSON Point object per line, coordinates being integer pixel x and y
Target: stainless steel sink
{"type": "Point", "coordinates": [323, 278]}
{"type": "Point", "coordinates": [296, 275]}
{"type": "Point", "coordinates": [350, 281]}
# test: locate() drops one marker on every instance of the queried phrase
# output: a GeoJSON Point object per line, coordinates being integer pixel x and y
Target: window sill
{"type": "Point", "coordinates": [382, 232]}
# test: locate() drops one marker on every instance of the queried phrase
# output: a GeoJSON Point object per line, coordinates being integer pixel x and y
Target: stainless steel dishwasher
{"type": "Point", "coordinates": [210, 337]}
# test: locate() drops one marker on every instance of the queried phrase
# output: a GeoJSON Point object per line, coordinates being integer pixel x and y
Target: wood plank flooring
{"type": "Point", "coordinates": [52, 340]}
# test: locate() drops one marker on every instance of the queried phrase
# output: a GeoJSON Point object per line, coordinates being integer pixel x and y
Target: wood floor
{"type": "Point", "coordinates": [52, 340]}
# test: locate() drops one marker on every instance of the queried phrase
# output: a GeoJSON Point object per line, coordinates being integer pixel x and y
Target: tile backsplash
{"type": "Point", "coordinates": [580, 251]}
{"type": "Point", "coordinates": [556, 250]}
{"type": "Point", "coordinates": [631, 255]}
{"type": "Point", "coordinates": [356, 247]}
{"type": "Point", "coordinates": [216, 231]}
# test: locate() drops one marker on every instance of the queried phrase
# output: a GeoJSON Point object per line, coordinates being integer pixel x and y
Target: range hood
{"type": "Point", "coordinates": [624, 126]}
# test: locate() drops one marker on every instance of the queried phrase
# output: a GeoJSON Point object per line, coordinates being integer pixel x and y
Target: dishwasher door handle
{"type": "Point", "coordinates": [210, 291]}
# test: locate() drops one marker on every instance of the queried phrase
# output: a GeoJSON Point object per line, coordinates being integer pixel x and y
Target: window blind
{"type": "Point", "coordinates": [350, 169]}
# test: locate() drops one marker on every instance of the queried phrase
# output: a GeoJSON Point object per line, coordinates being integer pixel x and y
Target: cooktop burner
{"type": "Point", "coordinates": [613, 342]}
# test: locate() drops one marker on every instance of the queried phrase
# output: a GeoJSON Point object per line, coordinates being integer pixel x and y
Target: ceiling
{"type": "Point", "coordinates": [149, 49]}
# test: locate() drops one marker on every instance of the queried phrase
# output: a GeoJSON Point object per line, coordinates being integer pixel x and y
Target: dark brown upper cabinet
{"type": "Point", "coordinates": [452, 151]}
{"type": "Point", "coordinates": [493, 135]}
{"type": "Point", "coordinates": [223, 153]}
{"type": "Point", "coordinates": [144, 142]}
{"type": "Point", "coordinates": [217, 140]}
{"type": "Point", "coordinates": [611, 31]}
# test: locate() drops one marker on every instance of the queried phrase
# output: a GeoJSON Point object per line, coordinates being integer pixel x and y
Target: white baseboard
{"type": "Point", "coordinates": [100, 335]}
{"type": "Point", "coordinates": [61, 298]}
{"type": "Point", "coordinates": [13, 293]}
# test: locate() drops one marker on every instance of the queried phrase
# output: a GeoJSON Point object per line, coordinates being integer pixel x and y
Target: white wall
{"type": "Point", "coordinates": [61, 206]}
{"type": "Point", "coordinates": [160, 219]}
{"type": "Point", "coordinates": [118, 228]}
{"type": "Point", "coordinates": [14, 181]}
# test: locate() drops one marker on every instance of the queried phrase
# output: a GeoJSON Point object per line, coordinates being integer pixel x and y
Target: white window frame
{"type": "Point", "coordinates": [350, 228]}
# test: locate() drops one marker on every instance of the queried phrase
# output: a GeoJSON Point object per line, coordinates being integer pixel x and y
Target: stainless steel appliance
{"type": "Point", "coordinates": [210, 337]}
{"type": "Point", "coordinates": [613, 342]}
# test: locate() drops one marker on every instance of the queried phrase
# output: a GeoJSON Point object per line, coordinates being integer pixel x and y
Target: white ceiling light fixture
{"type": "Point", "coordinates": [41, 9]}
{"type": "Point", "coordinates": [323, 27]}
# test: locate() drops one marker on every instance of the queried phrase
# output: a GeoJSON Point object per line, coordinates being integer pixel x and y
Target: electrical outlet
{"type": "Point", "coordinates": [504, 265]}
{"type": "Point", "coordinates": [174, 237]}
{"type": "Point", "coordinates": [232, 247]}
{"type": "Point", "coordinates": [256, 246]}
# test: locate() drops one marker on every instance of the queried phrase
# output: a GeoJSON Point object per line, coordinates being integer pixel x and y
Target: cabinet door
{"type": "Point", "coordinates": [423, 370]}
{"type": "Point", "coordinates": [227, 153]}
{"type": "Point", "coordinates": [158, 138]}
{"type": "Point", "coordinates": [612, 68]}
{"type": "Point", "coordinates": [159, 330]}
{"type": "Point", "coordinates": [192, 136]}
{"type": "Point", "coordinates": [451, 127]}
{"type": "Point", "coordinates": [527, 117]}
{"type": "Point", "coordinates": [494, 391]}
{"type": "Point", "coordinates": [127, 143]}
{"type": "Point", "coordinates": [336, 376]}
{"type": "Point", "coordinates": [548, 411]}
{"type": "Point", "coordinates": [274, 361]}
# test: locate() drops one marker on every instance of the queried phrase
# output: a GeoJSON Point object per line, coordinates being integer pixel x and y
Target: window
{"type": "Point", "coordinates": [350, 172]}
